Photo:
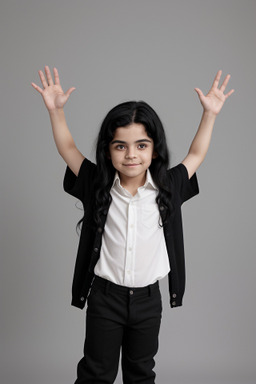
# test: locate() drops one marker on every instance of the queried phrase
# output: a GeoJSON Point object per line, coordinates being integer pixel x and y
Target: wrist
{"type": "Point", "coordinates": [209, 114]}
{"type": "Point", "coordinates": [56, 111]}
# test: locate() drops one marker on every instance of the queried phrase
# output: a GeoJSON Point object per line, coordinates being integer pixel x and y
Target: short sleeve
{"type": "Point", "coordinates": [185, 187]}
{"type": "Point", "coordinates": [79, 185]}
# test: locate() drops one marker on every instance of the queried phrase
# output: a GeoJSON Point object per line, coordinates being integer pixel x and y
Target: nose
{"type": "Point", "coordinates": [130, 153]}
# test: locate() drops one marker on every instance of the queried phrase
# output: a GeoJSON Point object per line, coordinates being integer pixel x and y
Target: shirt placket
{"type": "Point", "coordinates": [130, 244]}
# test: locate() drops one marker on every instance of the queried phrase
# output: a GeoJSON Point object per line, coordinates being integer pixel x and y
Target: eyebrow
{"type": "Point", "coordinates": [124, 142]}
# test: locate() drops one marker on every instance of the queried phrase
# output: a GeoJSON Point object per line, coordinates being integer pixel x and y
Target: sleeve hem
{"type": "Point", "coordinates": [75, 185]}
{"type": "Point", "coordinates": [190, 186]}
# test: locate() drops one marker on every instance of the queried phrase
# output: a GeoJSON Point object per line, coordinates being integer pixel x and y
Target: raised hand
{"type": "Point", "coordinates": [215, 98]}
{"type": "Point", "coordinates": [53, 95]}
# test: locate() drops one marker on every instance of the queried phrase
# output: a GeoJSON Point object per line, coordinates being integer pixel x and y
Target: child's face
{"type": "Point", "coordinates": [131, 152]}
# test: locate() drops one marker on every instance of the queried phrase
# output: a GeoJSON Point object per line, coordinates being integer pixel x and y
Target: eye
{"type": "Point", "coordinates": [142, 146]}
{"type": "Point", "coordinates": [120, 146]}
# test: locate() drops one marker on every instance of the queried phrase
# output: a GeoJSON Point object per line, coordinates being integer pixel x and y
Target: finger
{"type": "Point", "coordinates": [37, 88]}
{"type": "Point", "coordinates": [224, 84]}
{"type": "Point", "coordinates": [44, 82]}
{"type": "Point", "coordinates": [199, 92]}
{"type": "Point", "coordinates": [229, 93]}
{"type": "Point", "coordinates": [69, 91]}
{"type": "Point", "coordinates": [215, 83]}
{"type": "Point", "coordinates": [48, 75]}
{"type": "Point", "coordinates": [56, 76]}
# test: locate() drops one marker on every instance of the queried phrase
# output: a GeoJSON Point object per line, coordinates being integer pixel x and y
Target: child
{"type": "Point", "coordinates": [132, 234]}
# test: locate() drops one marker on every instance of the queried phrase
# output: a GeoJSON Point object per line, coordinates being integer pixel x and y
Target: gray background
{"type": "Point", "coordinates": [113, 51]}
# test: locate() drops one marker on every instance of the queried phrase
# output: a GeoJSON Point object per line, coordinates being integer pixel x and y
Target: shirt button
{"type": "Point", "coordinates": [129, 272]}
{"type": "Point", "coordinates": [131, 225]}
{"type": "Point", "coordinates": [174, 295]}
{"type": "Point", "coordinates": [82, 298]}
{"type": "Point", "coordinates": [174, 303]}
{"type": "Point", "coordinates": [130, 248]}
{"type": "Point", "coordinates": [131, 292]}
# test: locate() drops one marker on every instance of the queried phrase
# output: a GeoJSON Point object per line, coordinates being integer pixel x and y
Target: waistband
{"type": "Point", "coordinates": [123, 290]}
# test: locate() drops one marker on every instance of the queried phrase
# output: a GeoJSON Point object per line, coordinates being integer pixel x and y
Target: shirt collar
{"type": "Point", "coordinates": [149, 181]}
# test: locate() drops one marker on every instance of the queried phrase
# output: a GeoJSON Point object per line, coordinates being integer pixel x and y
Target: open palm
{"type": "Point", "coordinates": [215, 98]}
{"type": "Point", "coordinates": [53, 95]}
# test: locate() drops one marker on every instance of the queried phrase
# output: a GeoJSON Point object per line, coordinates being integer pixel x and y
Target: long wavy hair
{"type": "Point", "coordinates": [123, 115]}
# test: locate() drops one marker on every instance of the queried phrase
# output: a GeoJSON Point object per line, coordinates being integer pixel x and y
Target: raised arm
{"type": "Point", "coordinates": [55, 99]}
{"type": "Point", "coordinates": [212, 104]}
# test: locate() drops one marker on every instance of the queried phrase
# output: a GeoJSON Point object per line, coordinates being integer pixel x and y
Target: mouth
{"type": "Point", "coordinates": [131, 165]}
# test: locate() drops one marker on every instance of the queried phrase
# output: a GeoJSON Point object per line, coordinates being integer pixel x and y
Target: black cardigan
{"type": "Point", "coordinates": [90, 240]}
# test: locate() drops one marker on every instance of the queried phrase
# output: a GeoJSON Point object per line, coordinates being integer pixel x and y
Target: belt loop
{"type": "Point", "coordinates": [107, 287]}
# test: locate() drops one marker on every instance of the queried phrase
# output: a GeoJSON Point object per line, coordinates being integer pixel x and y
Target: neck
{"type": "Point", "coordinates": [132, 183]}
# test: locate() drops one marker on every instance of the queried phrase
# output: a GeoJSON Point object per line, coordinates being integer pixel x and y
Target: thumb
{"type": "Point", "coordinates": [199, 92]}
{"type": "Point", "coordinates": [69, 91]}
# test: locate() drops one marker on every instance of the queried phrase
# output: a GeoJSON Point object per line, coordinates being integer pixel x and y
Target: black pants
{"type": "Point", "coordinates": [120, 317]}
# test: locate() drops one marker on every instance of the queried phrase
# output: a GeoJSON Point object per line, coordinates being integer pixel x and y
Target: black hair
{"type": "Point", "coordinates": [123, 115]}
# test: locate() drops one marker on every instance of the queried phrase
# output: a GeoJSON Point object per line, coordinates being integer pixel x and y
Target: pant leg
{"type": "Point", "coordinates": [140, 340]}
{"type": "Point", "coordinates": [109, 314]}
{"type": "Point", "coordinates": [103, 341]}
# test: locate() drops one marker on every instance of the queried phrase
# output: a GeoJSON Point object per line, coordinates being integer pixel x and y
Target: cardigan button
{"type": "Point", "coordinates": [174, 295]}
{"type": "Point", "coordinates": [82, 298]}
{"type": "Point", "coordinates": [96, 249]}
{"type": "Point", "coordinates": [174, 303]}
{"type": "Point", "coordinates": [99, 229]}
{"type": "Point", "coordinates": [161, 208]}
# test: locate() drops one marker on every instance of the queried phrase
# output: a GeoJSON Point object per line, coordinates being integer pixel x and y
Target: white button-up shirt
{"type": "Point", "coordinates": [133, 251]}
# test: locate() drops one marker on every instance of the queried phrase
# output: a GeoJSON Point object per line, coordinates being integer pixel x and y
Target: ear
{"type": "Point", "coordinates": [108, 155]}
{"type": "Point", "coordinates": [154, 155]}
